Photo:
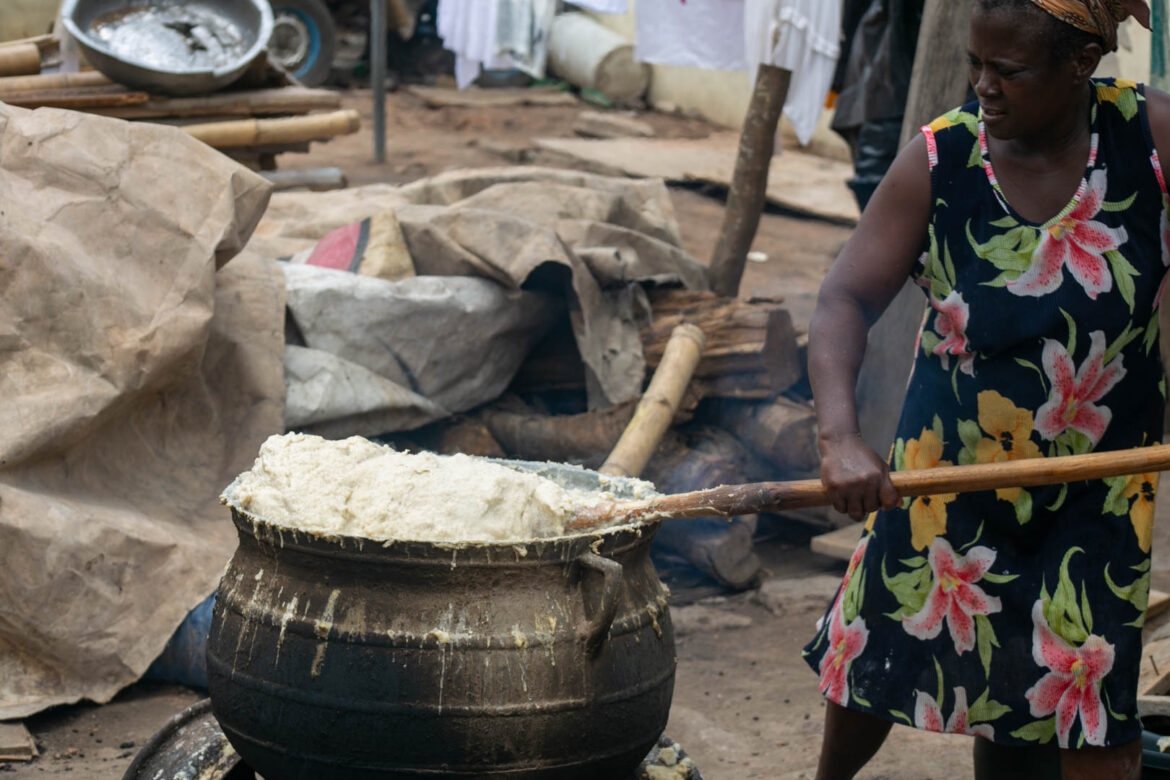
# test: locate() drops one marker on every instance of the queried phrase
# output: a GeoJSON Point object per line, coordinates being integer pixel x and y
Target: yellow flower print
{"type": "Point", "coordinates": [928, 514]}
{"type": "Point", "coordinates": [942, 123]}
{"type": "Point", "coordinates": [1010, 429]}
{"type": "Point", "coordinates": [1111, 93]}
{"type": "Point", "coordinates": [1141, 513]}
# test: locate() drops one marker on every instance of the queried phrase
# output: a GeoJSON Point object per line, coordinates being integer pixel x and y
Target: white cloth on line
{"type": "Point", "coordinates": [800, 36]}
{"type": "Point", "coordinates": [603, 6]}
{"type": "Point", "coordinates": [698, 33]}
{"type": "Point", "coordinates": [495, 35]}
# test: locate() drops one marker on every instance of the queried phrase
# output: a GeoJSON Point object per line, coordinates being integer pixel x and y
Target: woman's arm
{"type": "Point", "coordinates": [871, 269]}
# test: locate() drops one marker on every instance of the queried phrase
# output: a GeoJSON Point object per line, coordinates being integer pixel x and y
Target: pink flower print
{"type": "Point", "coordinates": [1071, 403]}
{"type": "Point", "coordinates": [928, 716]}
{"type": "Point", "coordinates": [955, 597]}
{"type": "Point", "coordinates": [1073, 682]}
{"type": "Point", "coordinates": [1078, 242]}
{"type": "Point", "coordinates": [845, 644]}
{"type": "Point", "coordinates": [951, 324]}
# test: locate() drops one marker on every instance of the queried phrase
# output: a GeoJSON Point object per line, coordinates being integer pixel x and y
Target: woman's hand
{"type": "Point", "coordinates": [857, 480]}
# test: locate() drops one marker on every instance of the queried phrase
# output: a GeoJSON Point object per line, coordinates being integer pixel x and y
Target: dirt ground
{"type": "Point", "coordinates": [745, 704]}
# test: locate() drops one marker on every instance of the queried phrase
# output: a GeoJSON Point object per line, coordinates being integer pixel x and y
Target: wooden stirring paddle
{"type": "Point", "coordinates": [733, 500]}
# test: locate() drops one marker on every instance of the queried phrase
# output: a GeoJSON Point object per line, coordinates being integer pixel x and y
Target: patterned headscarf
{"type": "Point", "coordinates": [1100, 17]}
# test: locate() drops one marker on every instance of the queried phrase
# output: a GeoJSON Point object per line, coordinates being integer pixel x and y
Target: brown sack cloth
{"type": "Point", "coordinates": [137, 381]}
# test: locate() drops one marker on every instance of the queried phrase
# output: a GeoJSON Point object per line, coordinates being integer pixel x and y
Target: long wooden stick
{"type": "Point", "coordinates": [21, 60]}
{"type": "Point", "coordinates": [734, 500]}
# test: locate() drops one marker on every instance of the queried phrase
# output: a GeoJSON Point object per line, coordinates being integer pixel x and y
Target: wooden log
{"type": "Point", "coordinates": [81, 98]}
{"type": "Point", "coordinates": [257, 102]}
{"type": "Point", "coordinates": [781, 431]}
{"type": "Point", "coordinates": [1154, 673]}
{"type": "Point", "coordinates": [49, 81]}
{"type": "Point", "coordinates": [938, 82]}
{"type": "Point", "coordinates": [744, 338]}
{"type": "Point", "coordinates": [585, 438]}
{"type": "Point", "coordinates": [16, 744]}
{"type": "Point", "coordinates": [467, 435]}
{"type": "Point", "coordinates": [749, 182]}
{"type": "Point", "coordinates": [658, 404]}
{"type": "Point", "coordinates": [253, 132]}
{"type": "Point", "coordinates": [23, 59]}
{"type": "Point", "coordinates": [751, 347]}
{"type": "Point", "coordinates": [598, 124]}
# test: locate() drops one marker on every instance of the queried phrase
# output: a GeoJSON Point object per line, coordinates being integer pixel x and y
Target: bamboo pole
{"type": "Point", "coordinates": [256, 132]}
{"type": "Point", "coordinates": [658, 405]}
{"type": "Point", "coordinates": [21, 60]}
{"type": "Point", "coordinates": [47, 81]}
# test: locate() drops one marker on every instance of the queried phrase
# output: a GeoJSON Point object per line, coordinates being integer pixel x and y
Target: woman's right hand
{"type": "Point", "coordinates": [857, 480]}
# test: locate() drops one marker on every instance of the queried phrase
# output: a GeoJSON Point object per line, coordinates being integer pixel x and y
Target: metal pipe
{"type": "Point", "coordinates": [378, 75]}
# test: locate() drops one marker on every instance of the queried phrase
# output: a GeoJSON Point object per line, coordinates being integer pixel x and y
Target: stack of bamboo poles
{"type": "Point", "coordinates": [251, 125]}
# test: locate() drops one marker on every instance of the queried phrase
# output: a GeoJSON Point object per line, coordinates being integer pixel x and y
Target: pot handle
{"type": "Point", "coordinates": [593, 632]}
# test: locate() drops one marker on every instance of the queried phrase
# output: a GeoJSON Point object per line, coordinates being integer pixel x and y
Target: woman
{"type": "Point", "coordinates": [1035, 222]}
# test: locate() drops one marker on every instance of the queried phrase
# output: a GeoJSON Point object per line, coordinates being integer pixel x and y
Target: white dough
{"type": "Point", "coordinates": [358, 488]}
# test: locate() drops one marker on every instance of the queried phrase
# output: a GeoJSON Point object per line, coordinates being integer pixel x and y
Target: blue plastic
{"type": "Point", "coordinates": [184, 659]}
{"type": "Point", "coordinates": [314, 38]}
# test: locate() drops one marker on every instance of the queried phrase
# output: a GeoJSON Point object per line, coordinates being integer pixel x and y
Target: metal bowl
{"type": "Point", "coordinates": [248, 21]}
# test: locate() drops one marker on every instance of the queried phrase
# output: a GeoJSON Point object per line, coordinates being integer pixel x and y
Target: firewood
{"type": "Point", "coordinates": [253, 132]}
{"type": "Point", "coordinates": [751, 349]}
{"type": "Point", "coordinates": [781, 431]}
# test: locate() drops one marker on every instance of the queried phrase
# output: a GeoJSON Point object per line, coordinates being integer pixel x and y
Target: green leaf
{"type": "Point", "coordinates": [930, 341]}
{"type": "Point", "coordinates": [1086, 613]}
{"type": "Point", "coordinates": [1115, 500]}
{"type": "Point", "coordinates": [1119, 205]}
{"type": "Point", "coordinates": [1127, 104]}
{"type": "Point", "coordinates": [999, 579]}
{"type": "Point", "coordinates": [1108, 706]}
{"type": "Point", "coordinates": [1120, 343]}
{"type": "Point", "coordinates": [902, 716]}
{"type": "Point", "coordinates": [900, 455]}
{"type": "Point", "coordinates": [938, 671]}
{"type": "Point", "coordinates": [913, 563]}
{"type": "Point", "coordinates": [949, 266]}
{"type": "Point", "coordinates": [1007, 222]}
{"type": "Point", "coordinates": [936, 428]}
{"type": "Point", "coordinates": [970, 433]}
{"type": "Point", "coordinates": [1036, 368]}
{"type": "Point", "coordinates": [1071, 345]}
{"type": "Point", "coordinates": [1023, 507]}
{"type": "Point", "coordinates": [976, 158]}
{"type": "Point", "coordinates": [910, 588]}
{"type": "Point", "coordinates": [975, 538]}
{"type": "Point", "coordinates": [1123, 274]}
{"type": "Point", "coordinates": [1041, 731]}
{"type": "Point", "coordinates": [985, 639]}
{"type": "Point", "coordinates": [985, 709]}
{"type": "Point", "coordinates": [1152, 330]}
{"type": "Point", "coordinates": [1062, 611]}
{"type": "Point", "coordinates": [1060, 498]}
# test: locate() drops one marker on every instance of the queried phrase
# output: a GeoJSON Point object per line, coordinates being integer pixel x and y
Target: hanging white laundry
{"type": "Point", "coordinates": [603, 6]}
{"type": "Point", "coordinates": [800, 36]}
{"type": "Point", "coordinates": [495, 35]}
{"type": "Point", "coordinates": [699, 33]}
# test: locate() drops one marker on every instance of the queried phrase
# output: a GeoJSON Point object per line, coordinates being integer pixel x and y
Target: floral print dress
{"type": "Point", "coordinates": [1016, 614]}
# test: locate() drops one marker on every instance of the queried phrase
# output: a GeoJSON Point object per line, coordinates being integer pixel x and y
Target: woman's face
{"type": "Point", "coordinates": [1021, 87]}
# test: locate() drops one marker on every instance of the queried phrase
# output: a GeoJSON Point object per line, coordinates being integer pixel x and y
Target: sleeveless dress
{"type": "Point", "coordinates": [1016, 614]}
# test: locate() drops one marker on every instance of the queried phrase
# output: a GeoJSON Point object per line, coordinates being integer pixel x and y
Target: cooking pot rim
{"type": "Point", "coordinates": [610, 536]}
